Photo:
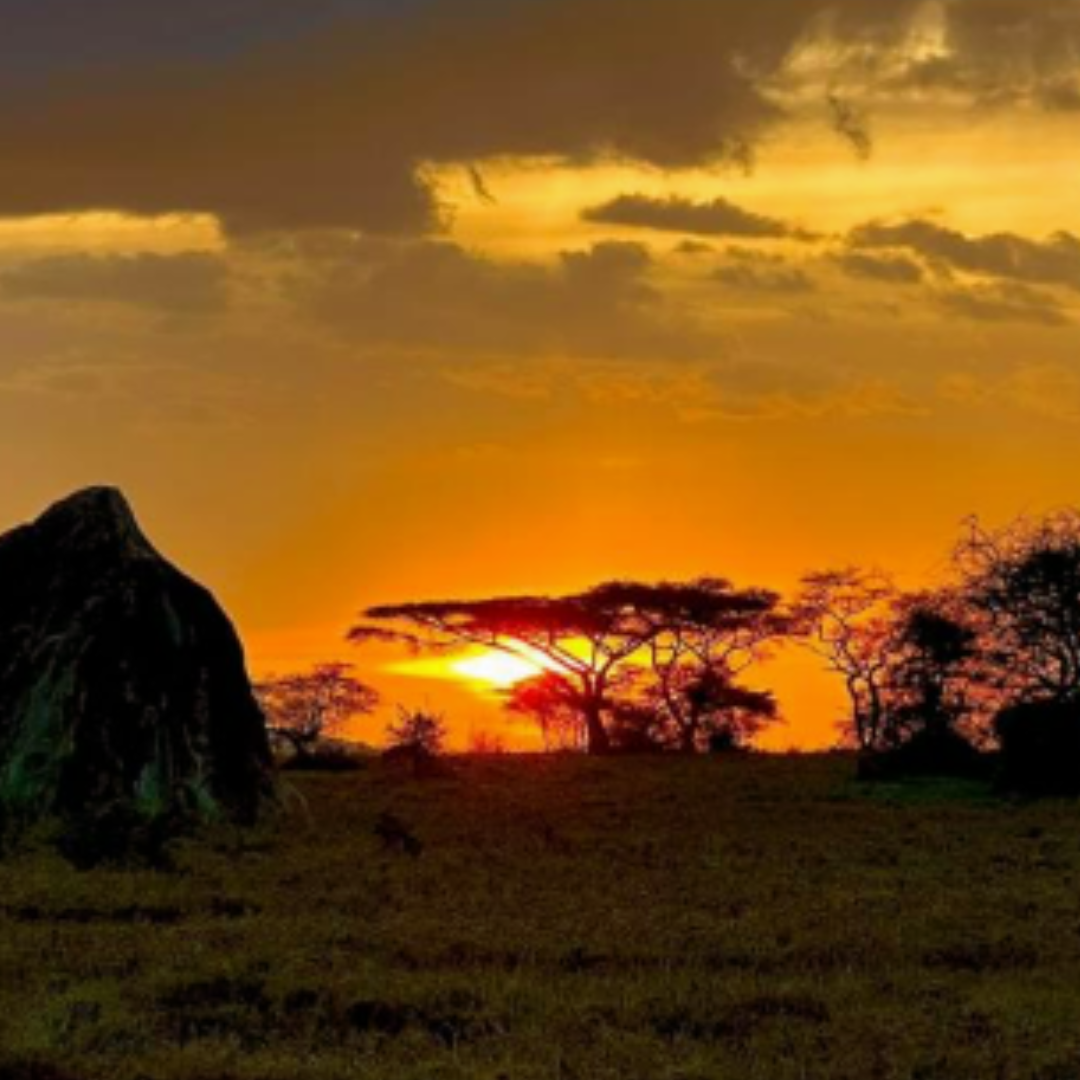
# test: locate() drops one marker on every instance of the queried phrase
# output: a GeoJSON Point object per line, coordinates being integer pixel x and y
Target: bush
{"type": "Point", "coordinates": [1040, 748]}
{"type": "Point", "coordinates": [416, 734]}
{"type": "Point", "coordinates": [928, 753]}
{"type": "Point", "coordinates": [726, 741]}
{"type": "Point", "coordinates": [327, 757]}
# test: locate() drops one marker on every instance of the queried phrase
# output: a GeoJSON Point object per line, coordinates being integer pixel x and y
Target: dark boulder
{"type": "Point", "coordinates": [122, 682]}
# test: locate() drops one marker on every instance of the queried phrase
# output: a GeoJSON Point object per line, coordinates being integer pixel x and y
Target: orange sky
{"type": "Point", "coordinates": [404, 301]}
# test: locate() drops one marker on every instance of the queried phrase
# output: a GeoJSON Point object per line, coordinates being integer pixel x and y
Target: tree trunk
{"type": "Point", "coordinates": [597, 741]}
{"type": "Point", "coordinates": [302, 745]}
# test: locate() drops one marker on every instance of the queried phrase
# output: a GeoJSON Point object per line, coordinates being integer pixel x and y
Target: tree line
{"type": "Point", "coordinates": [988, 660]}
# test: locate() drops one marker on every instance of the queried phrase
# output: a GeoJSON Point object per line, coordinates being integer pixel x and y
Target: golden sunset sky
{"type": "Point", "coordinates": [363, 301]}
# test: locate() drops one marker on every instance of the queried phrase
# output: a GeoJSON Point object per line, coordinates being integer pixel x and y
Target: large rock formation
{"type": "Point", "coordinates": [122, 682]}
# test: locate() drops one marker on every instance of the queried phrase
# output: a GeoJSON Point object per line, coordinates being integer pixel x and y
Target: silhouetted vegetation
{"type": "Point", "coordinates": [988, 661]}
{"type": "Point", "coordinates": [487, 743]}
{"type": "Point", "coordinates": [550, 701]}
{"type": "Point", "coordinates": [307, 709]}
{"type": "Point", "coordinates": [634, 666]}
{"type": "Point", "coordinates": [416, 734]}
{"type": "Point", "coordinates": [604, 619]}
{"type": "Point", "coordinates": [991, 658]}
{"type": "Point", "coordinates": [1040, 747]}
{"type": "Point", "coordinates": [846, 619]}
{"type": "Point", "coordinates": [1022, 584]}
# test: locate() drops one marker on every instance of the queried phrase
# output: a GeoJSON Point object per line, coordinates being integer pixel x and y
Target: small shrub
{"type": "Point", "coordinates": [326, 757]}
{"type": "Point", "coordinates": [726, 741]}
{"type": "Point", "coordinates": [486, 744]}
{"type": "Point", "coordinates": [418, 734]}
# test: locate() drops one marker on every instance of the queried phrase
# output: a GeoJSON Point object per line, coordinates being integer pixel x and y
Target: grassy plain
{"type": "Point", "coordinates": [533, 919]}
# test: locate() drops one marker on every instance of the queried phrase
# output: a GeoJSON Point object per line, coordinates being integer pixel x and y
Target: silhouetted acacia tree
{"type": "Point", "coordinates": [586, 637]}
{"type": "Point", "coordinates": [553, 703]}
{"type": "Point", "coordinates": [847, 620]}
{"type": "Point", "coordinates": [307, 707]}
{"type": "Point", "coordinates": [636, 724]}
{"type": "Point", "coordinates": [708, 634]}
{"type": "Point", "coordinates": [598, 643]}
{"type": "Point", "coordinates": [1022, 587]}
{"type": "Point", "coordinates": [932, 678]}
{"type": "Point", "coordinates": [714, 713]}
{"type": "Point", "coordinates": [1022, 584]}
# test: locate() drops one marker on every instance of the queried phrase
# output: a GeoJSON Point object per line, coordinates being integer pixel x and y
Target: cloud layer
{"type": "Point", "coordinates": [196, 109]}
{"type": "Point", "coordinates": [1055, 261]}
{"type": "Point", "coordinates": [191, 283]}
{"type": "Point", "coordinates": [436, 297]}
{"type": "Point", "coordinates": [676, 214]}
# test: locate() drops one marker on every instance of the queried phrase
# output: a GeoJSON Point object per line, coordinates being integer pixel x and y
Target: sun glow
{"type": "Point", "coordinates": [498, 670]}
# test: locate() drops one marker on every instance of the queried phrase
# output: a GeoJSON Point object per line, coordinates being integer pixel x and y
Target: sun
{"type": "Point", "coordinates": [485, 671]}
{"type": "Point", "coordinates": [496, 669]}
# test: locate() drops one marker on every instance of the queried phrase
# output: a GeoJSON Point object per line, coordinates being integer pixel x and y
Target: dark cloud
{"type": "Point", "coordinates": [676, 214]}
{"type": "Point", "coordinates": [190, 283]}
{"type": "Point", "coordinates": [276, 115]}
{"type": "Point", "coordinates": [750, 271]}
{"type": "Point", "coordinates": [1055, 261]}
{"type": "Point", "coordinates": [436, 296]}
{"type": "Point", "coordinates": [1010, 47]}
{"type": "Point", "coordinates": [1004, 302]}
{"type": "Point", "coordinates": [321, 121]}
{"type": "Point", "coordinates": [693, 248]}
{"type": "Point", "coordinates": [480, 187]}
{"type": "Point", "coordinates": [46, 37]}
{"type": "Point", "coordinates": [1002, 52]}
{"type": "Point", "coordinates": [1061, 95]}
{"type": "Point", "coordinates": [893, 269]}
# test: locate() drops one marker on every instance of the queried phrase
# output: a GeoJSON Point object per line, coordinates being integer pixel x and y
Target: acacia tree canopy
{"type": "Point", "coordinates": [585, 636]}
{"type": "Point", "coordinates": [846, 618]}
{"type": "Point", "coordinates": [595, 639]}
{"type": "Point", "coordinates": [712, 633]}
{"type": "Point", "coordinates": [1022, 583]}
{"type": "Point", "coordinates": [933, 676]}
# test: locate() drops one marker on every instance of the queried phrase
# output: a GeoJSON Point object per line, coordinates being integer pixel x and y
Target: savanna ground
{"type": "Point", "coordinates": [546, 918]}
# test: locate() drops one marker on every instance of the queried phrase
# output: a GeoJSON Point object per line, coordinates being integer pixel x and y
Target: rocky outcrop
{"type": "Point", "coordinates": [122, 681]}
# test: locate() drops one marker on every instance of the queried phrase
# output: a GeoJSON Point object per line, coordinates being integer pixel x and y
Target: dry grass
{"type": "Point", "coordinates": [526, 919]}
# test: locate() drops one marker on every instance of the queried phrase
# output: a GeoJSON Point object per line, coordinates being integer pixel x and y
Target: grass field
{"type": "Point", "coordinates": [544, 918]}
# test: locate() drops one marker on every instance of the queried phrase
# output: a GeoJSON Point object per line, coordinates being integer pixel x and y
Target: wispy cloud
{"type": "Point", "coordinates": [720, 217]}
{"type": "Point", "coordinates": [1054, 261]}
{"type": "Point", "coordinates": [194, 283]}
{"type": "Point", "coordinates": [1004, 302]}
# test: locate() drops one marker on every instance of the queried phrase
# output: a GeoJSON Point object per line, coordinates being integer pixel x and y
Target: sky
{"type": "Point", "coordinates": [363, 302]}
